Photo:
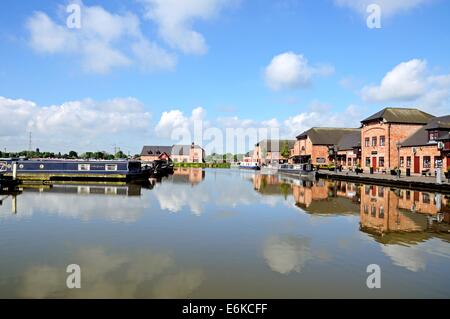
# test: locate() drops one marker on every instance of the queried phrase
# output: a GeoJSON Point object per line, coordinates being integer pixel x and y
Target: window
{"type": "Point", "coordinates": [382, 140]}
{"type": "Point", "coordinates": [433, 135]}
{"type": "Point", "coordinates": [367, 189]}
{"type": "Point", "coordinates": [380, 191]}
{"type": "Point", "coordinates": [374, 211]}
{"type": "Point", "coordinates": [402, 161]}
{"type": "Point", "coordinates": [367, 161]}
{"type": "Point", "coordinates": [408, 161]}
{"type": "Point", "coordinates": [110, 167]}
{"type": "Point", "coordinates": [366, 209]}
{"type": "Point", "coordinates": [381, 162]}
{"type": "Point", "coordinates": [381, 212]}
{"type": "Point", "coordinates": [320, 160]}
{"type": "Point", "coordinates": [84, 167]}
{"type": "Point", "coordinates": [374, 141]}
{"type": "Point", "coordinates": [426, 162]}
{"type": "Point", "coordinates": [408, 195]}
{"type": "Point", "coordinates": [426, 198]}
{"type": "Point", "coordinates": [438, 162]}
{"type": "Point", "coordinates": [366, 142]}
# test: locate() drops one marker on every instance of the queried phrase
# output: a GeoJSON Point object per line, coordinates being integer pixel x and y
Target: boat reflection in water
{"type": "Point", "coordinates": [218, 233]}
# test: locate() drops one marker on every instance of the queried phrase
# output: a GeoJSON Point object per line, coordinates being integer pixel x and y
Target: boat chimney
{"type": "Point", "coordinates": [14, 170]}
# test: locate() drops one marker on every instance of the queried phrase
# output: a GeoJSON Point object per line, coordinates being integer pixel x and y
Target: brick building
{"type": "Point", "coordinates": [384, 131]}
{"type": "Point", "coordinates": [153, 153]}
{"type": "Point", "coordinates": [177, 153]}
{"type": "Point", "coordinates": [313, 145]}
{"type": "Point", "coordinates": [428, 148]}
{"type": "Point", "coordinates": [270, 151]}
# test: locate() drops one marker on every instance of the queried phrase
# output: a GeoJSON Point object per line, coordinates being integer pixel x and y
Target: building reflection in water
{"type": "Point", "coordinates": [191, 176]}
{"type": "Point", "coordinates": [386, 213]}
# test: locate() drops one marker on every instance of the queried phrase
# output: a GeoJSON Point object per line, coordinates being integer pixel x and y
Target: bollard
{"type": "Point", "coordinates": [438, 176]}
{"type": "Point", "coordinates": [14, 171]}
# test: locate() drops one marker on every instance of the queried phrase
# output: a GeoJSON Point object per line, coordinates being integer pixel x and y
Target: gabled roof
{"type": "Point", "coordinates": [421, 138]}
{"type": "Point", "coordinates": [275, 145]}
{"type": "Point", "coordinates": [326, 135]}
{"type": "Point", "coordinates": [400, 115]}
{"type": "Point", "coordinates": [350, 140]}
{"type": "Point", "coordinates": [439, 123]}
{"type": "Point", "coordinates": [156, 150]}
{"type": "Point", "coordinates": [183, 149]}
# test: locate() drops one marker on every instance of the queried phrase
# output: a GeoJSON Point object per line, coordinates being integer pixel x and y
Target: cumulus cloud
{"type": "Point", "coordinates": [412, 82]}
{"type": "Point", "coordinates": [388, 7]}
{"type": "Point", "coordinates": [174, 124]}
{"type": "Point", "coordinates": [291, 71]}
{"type": "Point", "coordinates": [73, 123]}
{"type": "Point", "coordinates": [175, 21]}
{"type": "Point", "coordinates": [142, 274]}
{"type": "Point", "coordinates": [105, 41]}
{"type": "Point", "coordinates": [286, 254]}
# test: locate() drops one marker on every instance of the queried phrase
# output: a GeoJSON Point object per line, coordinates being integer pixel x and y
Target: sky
{"type": "Point", "coordinates": [148, 71]}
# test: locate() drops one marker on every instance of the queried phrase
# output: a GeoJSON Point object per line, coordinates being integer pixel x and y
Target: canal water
{"type": "Point", "coordinates": [224, 234]}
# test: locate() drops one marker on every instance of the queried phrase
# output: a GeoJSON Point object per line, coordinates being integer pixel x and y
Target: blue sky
{"type": "Point", "coordinates": [332, 70]}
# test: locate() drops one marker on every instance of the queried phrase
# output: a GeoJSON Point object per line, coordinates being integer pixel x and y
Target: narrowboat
{"type": "Point", "coordinates": [249, 165]}
{"type": "Point", "coordinates": [48, 170]}
{"type": "Point", "coordinates": [300, 170]}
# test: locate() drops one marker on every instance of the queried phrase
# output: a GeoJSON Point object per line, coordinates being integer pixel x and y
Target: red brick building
{"type": "Point", "coordinates": [428, 148]}
{"type": "Point", "coordinates": [383, 132]}
{"type": "Point", "coordinates": [314, 144]}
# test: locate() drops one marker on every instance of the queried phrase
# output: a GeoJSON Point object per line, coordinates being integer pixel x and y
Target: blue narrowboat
{"type": "Point", "coordinates": [72, 169]}
{"type": "Point", "coordinates": [249, 165]}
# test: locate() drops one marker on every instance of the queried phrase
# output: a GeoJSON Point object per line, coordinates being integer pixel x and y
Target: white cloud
{"type": "Point", "coordinates": [174, 123]}
{"type": "Point", "coordinates": [287, 254]}
{"type": "Point", "coordinates": [175, 21]}
{"type": "Point", "coordinates": [321, 115]}
{"type": "Point", "coordinates": [412, 82]}
{"type": "Point", "coordinates": [105, 41]}
{"type": "Point", "coordinates": [388, 7]}
{"type": "Point", "coordinates": [291, 71]}
{"type": "Point", "coordinates": [72, 124]}
{"type": "Point", "coordinates": [404, 82]}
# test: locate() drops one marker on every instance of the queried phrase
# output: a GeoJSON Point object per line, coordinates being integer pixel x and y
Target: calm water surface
{"type": "Point", "coordinates": [224, 234]}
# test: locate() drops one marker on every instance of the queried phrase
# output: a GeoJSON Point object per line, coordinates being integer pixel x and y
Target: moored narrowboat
{"type": "Point", "coordinates": [123, 170]}
{"type": "Point", "coordinates": [249, 165]}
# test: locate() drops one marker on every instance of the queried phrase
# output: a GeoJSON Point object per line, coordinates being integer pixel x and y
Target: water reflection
{"type": "Point", "coordinates": [223, 233]}
{"type": "Point", "coordinates": [285, 254]}
{"type": "Point", "coordinates": [144, 274]}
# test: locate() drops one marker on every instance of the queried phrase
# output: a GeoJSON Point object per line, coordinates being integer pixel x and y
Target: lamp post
{"type": "Point", "coordinates": [398, 167]}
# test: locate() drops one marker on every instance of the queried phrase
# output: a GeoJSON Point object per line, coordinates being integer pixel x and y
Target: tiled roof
{"type": "Point", "coordinates": [420, 138]}
{"type": "Point", "coordinates": [400, 115]}
{"type": "Point", "coordinates": [327, 135]}
{"type": "Point", "coordinates": [156, 150]}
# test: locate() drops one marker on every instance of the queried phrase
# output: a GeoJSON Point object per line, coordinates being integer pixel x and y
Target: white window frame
{"type": "Point", "coordinates": [84, 167]}
{"type": "Point", "coordinates": [111, 167]}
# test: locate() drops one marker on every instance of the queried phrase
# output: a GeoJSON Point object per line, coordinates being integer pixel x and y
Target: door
{"type": "Point", "coordinates": [416, 164]}
{"type": "Point", "coordinates": [374, 162]}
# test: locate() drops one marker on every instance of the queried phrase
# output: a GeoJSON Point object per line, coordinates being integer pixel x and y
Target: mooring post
{"type": "Point", "coordinates": [14, 170]}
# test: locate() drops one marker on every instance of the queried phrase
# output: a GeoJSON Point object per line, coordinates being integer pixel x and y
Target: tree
{"type": "Point", "coordinates": [285, 151]}
{"type": "Point", "coordinates": [120, 155]}
{"type": "Point", "coordinates": [73, 154]}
